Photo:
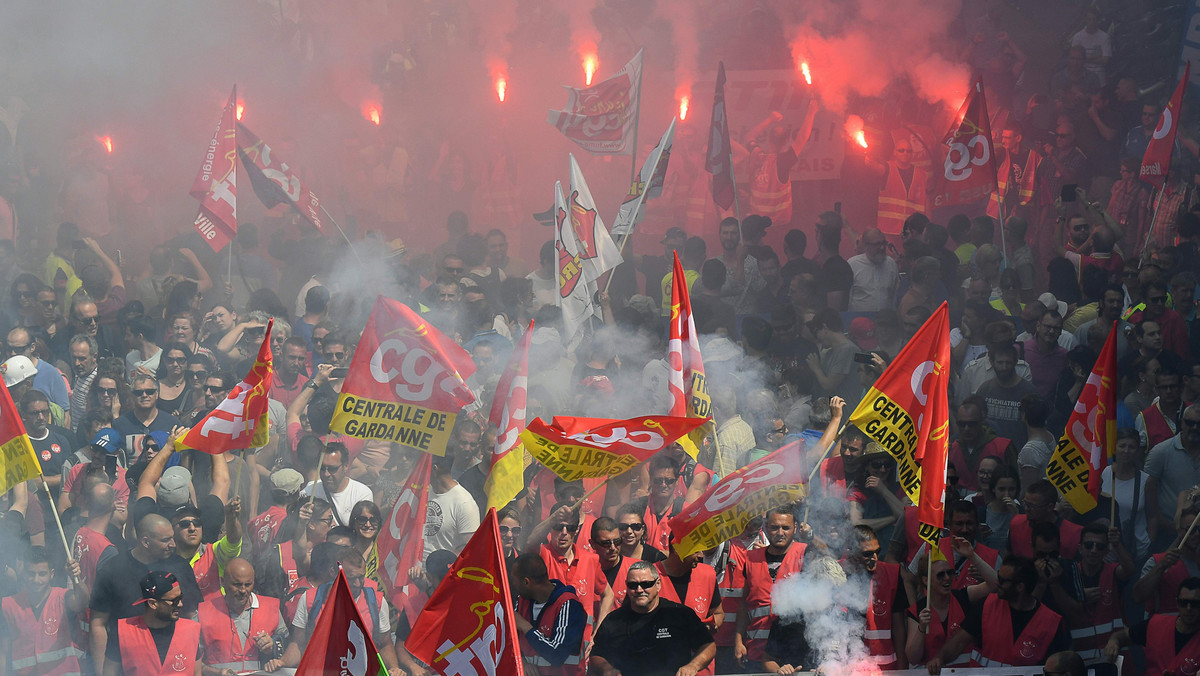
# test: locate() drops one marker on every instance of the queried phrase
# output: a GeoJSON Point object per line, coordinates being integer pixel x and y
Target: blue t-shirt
{"type": "Point", "coordinates": [49, 381]}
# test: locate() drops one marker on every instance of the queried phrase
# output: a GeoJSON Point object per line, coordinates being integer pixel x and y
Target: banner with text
{"type": "Point", "coordinates": [584, 448]}
{"type": "Point", "coordinates": [405, 383]}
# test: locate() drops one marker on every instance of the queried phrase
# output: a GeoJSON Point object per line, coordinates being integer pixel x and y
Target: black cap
{"type": "Point", "coordinates": [156, 584]}
{"type": "Point", "coordinates": [674, 233]}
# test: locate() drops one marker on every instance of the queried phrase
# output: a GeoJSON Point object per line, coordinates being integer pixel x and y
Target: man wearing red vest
{"type": "Point", "coordinates": [781, 558]}
{"type": "Point", "coordinates": [1101, 614]}
{"type": "Point", "coordinates": [964, 523]}
{"type": "Point", "coordinates": [886, 628]}
{"type": "Point", "coordinates": [692, 583]}
{"type": "Point", "coordinates": [1040, 500]}
{"type": "Point", "coordinates": [904, 191]}
{"type": "Point", "coordinates": [550, 618]}
{"type": "Point", "coordinates": [41, 620]}
{"type": "Point", "coordinates": [90, 546]}
{"type": "Point", "coordinates": [1015, 174]}
{"type": "Point", "coordinates": [1160, 420]}
{"type": "Point", "coordinates": [159, 641]}
{"type": "Point", "coordinates": [1163, 573]}
{"type": "Point", "coordinates": [1011, 627]}
{"type": "Point", "coordinates": [662, 504]}
{"type": "Point", "coordinates": [242, 631]}
{"type": "Point", "coordinates": [263, 530]}
{"type": "Point", "coordinates": [606, 542]}
{"type": "Point", "coordinates": [731, 564]}
{"type": "Point", "coordinates": [207, 560]}
{"type": "Point", "coordinates": [1172, 642]}
{"type": "Point", "coordinates": [976, 442]}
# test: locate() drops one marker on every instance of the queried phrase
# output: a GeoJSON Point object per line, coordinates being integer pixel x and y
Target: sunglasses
{"type": "Point", "coordinates": [330, 469]}
{"type": "Point", "coordinates": [145, 392]}
{"type": "Point", "coordinates": [662, 481]}
{"type": "Point", "coordinates": [510, 530]}
{"type": "Point", "coordinates": [1093, 546]}
{"type": "Point", "coordinates": [48, 303]}
{"type": "Point", "coordinates": [334, 356]}
{"type": "Point", "coordinates": [870, 554]}
{"type": "Point", "coordinates": [214, 388]}
{"type": "Point", "coordinates": [188, 523]}
{"type": "Point", "coordinates": [369, 520]}
{"type": "Point", "coordinates": [606, 544]}
{"type": "Point", "coordinates": [1187, 603]}
{"type": "Point", "coordinates": [564, 528]}
{"type": "Point", "coordinates": [87, 320]}
{"type": "Point", "coordinates": [106, 391]}
{"type": "Point", "coordinates": [175, 360]}
{"type": "Point", "coordinates": [635, 527]}
{"type": "Point", "coordinates": [647, 584]}
{"type": "Point", "coordinates": [197, 374]}
{"type": "Point", "coordinates": [944, 575]}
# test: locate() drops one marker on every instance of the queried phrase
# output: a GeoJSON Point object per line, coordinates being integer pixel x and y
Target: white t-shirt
{"type": "Point", "coordinates": [1094, 44]}
{"type": "Point", "coordinates": [300, 619]}
{"type": "Point", "coordinates": [344, 500]}
{"type": "Point", "coordinates": [450, 520]}
{"type": "Point", "coordinates": [1125, 505]}
{"type": "Point", "coordinates": [545, 291]}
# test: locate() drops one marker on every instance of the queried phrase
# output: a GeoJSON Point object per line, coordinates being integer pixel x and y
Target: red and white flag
{"type": "Point", "coordinates": [273, 180]}
{"type": "Point", "coordinates": [240, 420]}
{"type": "Point", "coordinates": [576, 293]}
{"type": "Point", "coordinates": [969, 168]}
{"type": "Point", "coordinates": [597, 253]}
{"type": "Point", "coordinates": [1156, 163]}
{"type": "Point", "coordinates": [506, 477]}
{"type": "Point", "coordinates": [341, 642]}
{"type": "Point", "coordinates": [685, 380]}
{"type": "Point", "coordinates": [601, 118]}
{"type": "Point", "coordinates": [468, 625]}
{"type": "Point", "coordinates": [216, 182]}
{"type": "Point", "coordinates": [719, 160]}
{"type": "Point", "coordinates": [649, 184]}
{"type": "Point", "coordinates": [401, 543]}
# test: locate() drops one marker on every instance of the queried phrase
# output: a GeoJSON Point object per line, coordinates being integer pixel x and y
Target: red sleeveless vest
{"type": "Point", "coordinates": [1000, 649]}
{"type": "Point", "coordinates": [1104, 618]}
{"type": "Point", "coordinates": [878, 635]}
{"type": "Point", "coordinates": [86, 548]}
{"type": "Point", "coordinates": [758, 594]}
{"type": "Point", "coordinates": [139, 655]}
{"type": "Point", "coordinates": [1160, 649]}
{"type": "Point", "coordinates": [222, 647]}
{"type": "Point", "coordinates": [732, 587]}
{"type": "Point", "coordinates": [45, 646]}
{"type": "Point", "coordinates": [1020, 537]}
{"type": "Point", "coordinates": [936, 637]}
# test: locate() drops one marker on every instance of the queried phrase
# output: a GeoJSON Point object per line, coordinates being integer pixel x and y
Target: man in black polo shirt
{"type": "Point", "coordinates": [117, 581]}
{"type": "Point", "coordinates": [649, 635]}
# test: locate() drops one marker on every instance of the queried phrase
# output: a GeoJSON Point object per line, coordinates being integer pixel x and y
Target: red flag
{"type": "Point", "coordinates": [18, 460]}
{"type": "Point", "coordinates": [969, 169]}
{"type": "Point", "coordinates": [506, 476]}
{"type": "Point", "coordinates": [273, 180]}
{"type": "Point", "coordinates": [216, 182]}
{"type": "Point", "coordinates": [341, 642]}
{"type": "Point", "coordinates": [581, 448]}
{"type": "Point", "coordinates": [728, 505]}
{"type": "Point", "coordinates": [401, 543]}
{"type": "Point", "coordinates": [907, 412]}
{"type": "Point", "coordinates": [686, 381]}
{"type": "Point", "coordinates": [719, 161]}
{"type": "Point", "coordinates": [406, 383]}
{"type": "Point", "coordinates": [240, 421]}
{"type": "Point", "coordinates": [1090, 438]}
{"type": "Point", "coordinates": [601, 118]}
{"type": "Point", "coordinates": [1157, 160]}
{"type": "Point", "coordinates": [467, 627]}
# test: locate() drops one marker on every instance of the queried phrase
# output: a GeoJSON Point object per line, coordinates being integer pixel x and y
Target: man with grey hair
{"type": "Point", "coordinates": [83, 350]}
{"type": "Point", "coordinates": [650, 634]}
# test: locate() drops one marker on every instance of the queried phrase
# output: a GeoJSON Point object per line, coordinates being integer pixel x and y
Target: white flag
{"type": "Point", "coordinates": [597, 252]}
{"type": "Point", "coordinates": [649, 185]}
{"type": "Point", "coordinates": [575, 290]}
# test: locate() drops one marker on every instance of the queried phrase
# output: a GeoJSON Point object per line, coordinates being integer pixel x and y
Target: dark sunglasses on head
{"type": "Point", "coordinates": [635, 527]}
{"type": "Point", "coordinates": [646, 584]}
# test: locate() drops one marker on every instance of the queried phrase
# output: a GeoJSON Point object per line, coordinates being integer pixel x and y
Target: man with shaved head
{"type": "Point", "coordinates": [117, 590]}
{"type": "Point", "coordinates": [91, 546]}
{"type": "Point", "coordinates": [241, 630]}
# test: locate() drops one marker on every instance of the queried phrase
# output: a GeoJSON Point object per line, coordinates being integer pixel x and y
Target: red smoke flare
{"type": "Point", "coordinates": [807, 73]}
{"type": "Point", "coordinates": [372, 112]}
{"type": "Point", "coordinates": [501, 87]}
{"type": "Point", "coordinates": [105, 141]}
{"type": "Point", "coordinates": [240, 109]}
{"type": "Point", "coordinates": [854, 129]}
{"type": "Point", "coordinates": [684, 101]}
{"type": "Point", "coordinates": [590, 63]}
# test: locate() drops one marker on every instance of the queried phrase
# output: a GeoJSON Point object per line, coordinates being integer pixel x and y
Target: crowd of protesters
{"type": "Point", "coordinates": [220, 564]}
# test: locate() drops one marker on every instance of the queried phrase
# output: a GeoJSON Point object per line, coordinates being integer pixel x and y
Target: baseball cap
{"type": "Point", "coordinates": [674, 233]}
{"type": "Point", "coordinates": [108, 440]}
{"type": "Point", "coordinates": [156, 584]}
{"type": "Point", "coordinates": [17, 369]}
{"type": "Point", "coordinates": [173, 486]}
{"type": "Point", "coordinates": [185, 511]}
{"type": "Point", "coordinates": [755, 224]}
{"type": "Point", "coordinates": [287, 480]}
{"type": "Point", "coordinates": [862, 332]}
{"type": "Point", "coordinates": [1047, 299]}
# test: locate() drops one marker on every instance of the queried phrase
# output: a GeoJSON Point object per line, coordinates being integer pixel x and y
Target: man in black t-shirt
{"type": "Point", "coordinates": [161, 598]}
{"type": "Point", "coordinates": [649, 635]}
{"type": "Point", "coordinates": [51, 444]}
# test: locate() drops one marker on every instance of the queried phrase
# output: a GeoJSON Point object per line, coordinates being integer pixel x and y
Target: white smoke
{"type": "Point", "coordinates": [832, 606]}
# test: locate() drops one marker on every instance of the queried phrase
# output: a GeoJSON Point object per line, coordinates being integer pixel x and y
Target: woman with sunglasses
{"type": "Point", "coordinates": [929, 627]}
{"type": "Point", "coordinates": [632, 528]}
{"type": "Point", "coordinates": [365, 522]}
{"type": "Point", "coordinates": [873, 494]}
{"type": "Point", "coordinates": [108, 393]}
{"type": "Point", "coordinates": [510, 534]}
{"type": "Point", "coordinates": [172, 385]}
{"type": "Point", "coordinates": [22, 308]}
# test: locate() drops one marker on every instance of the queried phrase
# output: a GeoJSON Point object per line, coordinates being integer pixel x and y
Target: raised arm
{"type": "Point", "coordinates": [113, 271]}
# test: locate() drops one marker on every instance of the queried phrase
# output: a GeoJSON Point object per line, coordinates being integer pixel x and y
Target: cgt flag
{"type": "Point", "coordinates": [18, 461]}
{"type": "Point", "coordinates": [401, 543]}
{"type": "Point", "coordinates": [341, 643]}
{"type": "Point", "coordinates": [1157, 160]}
{"type": "Point", "coordinates": [576, 293]}
{"type": "Point", "coordinates": [405, 383]}
{"type": "Point", "coordinates": [907, 412]}
{"type": "Point", "coordinates": [467, 628]}
{"type": "Point", "coordinates": [506, 477]}
{"type": "Point", "coordinates": [969, 169]}
{"type": "Point", "coordinates": [649, 184]}
{"type": "Point", "coordinates": [597, 253]}
{"type": "Point", "coordinates": [719, 160]}
{"type": "Point", "coordinates": [728, 505]}
{"type": "Point", "coordinates": [216, 182]}
{"type": "Point", "coordinates": [601, 118]}
{"type": "Point", "coordinates": [586, 448]}
{"type": "Point", "coordinates": [240, 420]}
{"type": "Point", "coordinates": [1088, 442]}
{"type": "Point", "coordinates": [273, 180]}
{"type": "Point", "coordinates": [686, 381]}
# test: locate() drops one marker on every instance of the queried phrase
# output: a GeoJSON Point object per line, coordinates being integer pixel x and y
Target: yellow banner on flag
{"type": "Point", "coordinates": [18, 462]}
{"type": "Point", "coordinates": [421, 428]}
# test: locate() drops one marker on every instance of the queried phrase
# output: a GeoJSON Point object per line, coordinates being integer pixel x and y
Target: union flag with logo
{"type": "Point", "coordinates": [907, 411]}
{"type": "Point", "coordinates": [216, 182]}
{"type": "Point", "coordinates": [468, 626]}
{"type": "Point", "coordinates": [240, 420]}
{"type": "Point", "coordinates": [1089, 441]}
{"type": "Point", "coordinates": [602, 118]}
{"type": "Point", "coordinates": [341, 642]}
{"type": "Point", "coordinates": [969, 168]}
{"type": "Point", "coordinates": [506, 477]}
{"type": "Point", "coordinates": [401, 540]}
{"type": "Point", "coordinates": [586, 448]}
{"type": "Point", "coordinates": [273, 180]}
{"type": "Point", "coordinates": [406, 383]}
{"type": "Point", "coordinates": [686, 381]}
{"type": "Point", "coordinates": [18, 461]}
{"type": "Point", "coordinates": [1156, 163]}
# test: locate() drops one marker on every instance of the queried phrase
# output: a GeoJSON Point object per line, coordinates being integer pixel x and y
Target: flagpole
{"type": "Point", "coordinates": [344, 236]}
{"type": "Point", "coordinates": [929, 577]}
{"type": "Point", "coordinates": [237, 483]}
{"type": "Point", "coordinates": [637, 116]}
{"type": "Point", "coordinates": [1153, 219]}
{"type": "Point", "coordinates": [229, 269]}
{"type": "Point", "coordinates": [57, 521]}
